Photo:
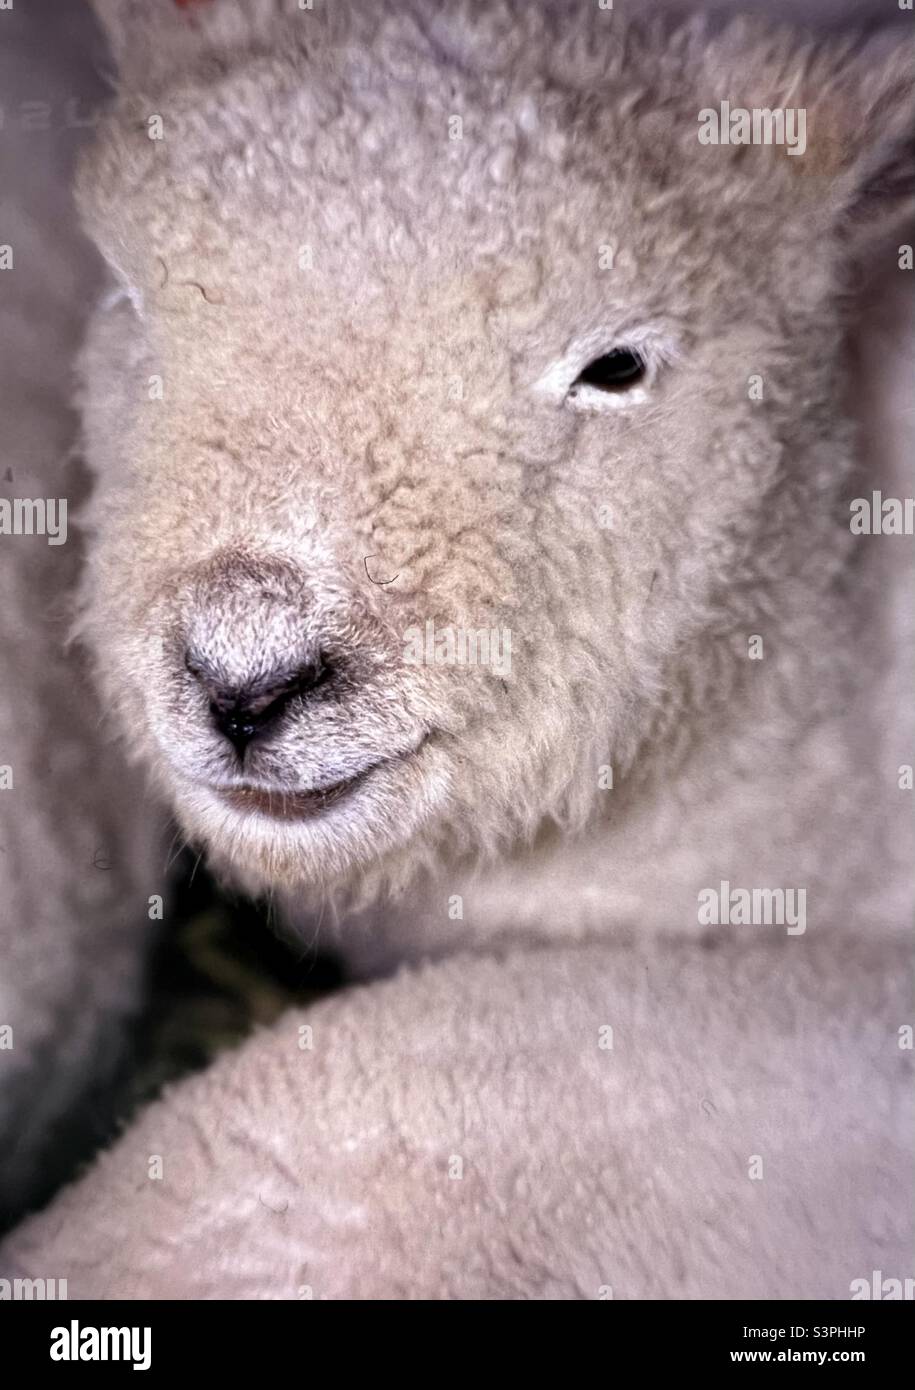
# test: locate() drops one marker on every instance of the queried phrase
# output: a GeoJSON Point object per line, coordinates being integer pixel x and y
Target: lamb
{"type": "Point", "coordinates": [453, 318]}
{"type": "Point", "coordinates": [467, 1131]}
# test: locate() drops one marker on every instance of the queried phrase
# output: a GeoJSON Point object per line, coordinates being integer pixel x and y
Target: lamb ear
{"type": "Point", "coordinates": [856, 98]}
{"type": "Point", "coordinates": [148, 40]}
{"type": "Point", "coordinates": [865, 125]}
{"type": "Point", "coordinates": [152, 41]}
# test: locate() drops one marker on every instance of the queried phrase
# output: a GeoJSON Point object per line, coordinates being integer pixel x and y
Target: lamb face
{"type": "Point", "coordinates": [461, 413]}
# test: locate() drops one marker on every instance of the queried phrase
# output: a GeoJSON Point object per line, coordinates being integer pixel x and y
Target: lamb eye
{"type": "Point", "coordinates": [615, 371]}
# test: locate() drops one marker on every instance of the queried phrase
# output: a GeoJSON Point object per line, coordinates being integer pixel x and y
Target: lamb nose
{"type": "Point", "coordinates": [238, 726]}
{"type": "Point", "coordinates": [243, 712]}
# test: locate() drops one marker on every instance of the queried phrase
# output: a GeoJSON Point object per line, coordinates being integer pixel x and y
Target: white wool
{"type": "Point", "coordinates": [367, 262]}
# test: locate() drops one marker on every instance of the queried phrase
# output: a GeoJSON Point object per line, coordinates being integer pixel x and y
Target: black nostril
{"type": "Point", "coordinates": [238, 726]}
{"type": "Point", "coordinates": [243, 712]}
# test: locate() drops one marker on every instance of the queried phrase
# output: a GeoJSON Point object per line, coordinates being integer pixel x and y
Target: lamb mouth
{"type": "Point", "coordinates": [291, 805]}
{"type": "Point", "coordinates": [303, 805]}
